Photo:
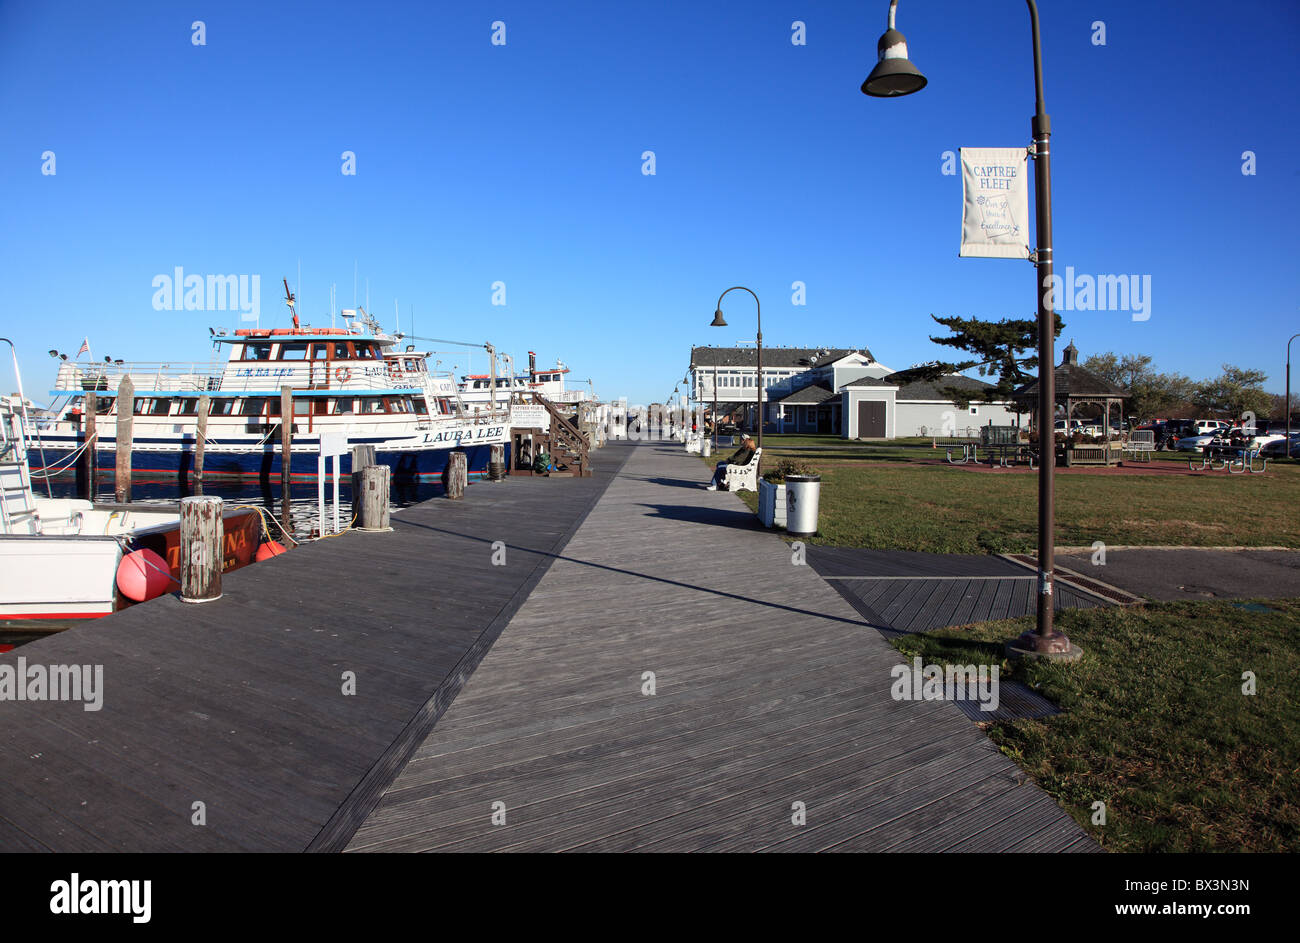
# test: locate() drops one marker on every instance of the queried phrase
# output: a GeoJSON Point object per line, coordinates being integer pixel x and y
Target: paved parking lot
{"type": "Point", "coordinates": [1195, 574]}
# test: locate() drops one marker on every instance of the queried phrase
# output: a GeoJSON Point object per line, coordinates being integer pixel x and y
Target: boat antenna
{"type": "Point", "coordinates": [289, 300]}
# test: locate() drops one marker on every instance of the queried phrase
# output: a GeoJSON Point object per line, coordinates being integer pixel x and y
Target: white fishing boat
{"type": "Point", "coordinates": [345, 381]}
{"type": "Point", "coordinates": [476, 389]}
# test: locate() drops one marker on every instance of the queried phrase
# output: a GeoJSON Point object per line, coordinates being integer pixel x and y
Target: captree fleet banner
{"type": "Point", "coordinates": [995, 202]}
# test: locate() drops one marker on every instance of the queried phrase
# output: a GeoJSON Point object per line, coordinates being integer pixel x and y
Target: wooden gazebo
{"type": "Point", "coordinates": [1080, 394]}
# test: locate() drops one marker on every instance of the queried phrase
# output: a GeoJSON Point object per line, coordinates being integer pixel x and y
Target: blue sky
{"type": "Point", "coordinates": [522, 164]}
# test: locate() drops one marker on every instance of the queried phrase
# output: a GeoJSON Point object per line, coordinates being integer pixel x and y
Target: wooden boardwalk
{"type": "Point", "coordinates": [770, 691]}
{"type": "Point", "coordinates": [237, 704]}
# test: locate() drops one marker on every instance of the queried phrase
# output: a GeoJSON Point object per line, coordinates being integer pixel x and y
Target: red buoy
{"type": "Point", "coordinates": [268, 550]}
{"type": "Point", "coordinates": [142, 575]}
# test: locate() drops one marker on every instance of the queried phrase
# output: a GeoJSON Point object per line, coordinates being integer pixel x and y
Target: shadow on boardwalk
{"type": "Point", "coordinates": [669, 686]}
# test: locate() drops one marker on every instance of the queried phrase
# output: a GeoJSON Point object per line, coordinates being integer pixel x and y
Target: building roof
{"type": "Point", "coordinates": [776, 357]}
{"type": "Point", "coordinates": [809, 395]}
{"type": "Point", "coordinates": [924, 390]}
{"type": "Point", "coordinates": [1073, 382]}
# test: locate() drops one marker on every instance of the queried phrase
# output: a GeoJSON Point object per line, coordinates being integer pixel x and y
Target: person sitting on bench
{"type": "Point", "coordinates": [741, 456]}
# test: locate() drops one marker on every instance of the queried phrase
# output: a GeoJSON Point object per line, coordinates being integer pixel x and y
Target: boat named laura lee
{"type": "Point", "coordinates": [349, 381]}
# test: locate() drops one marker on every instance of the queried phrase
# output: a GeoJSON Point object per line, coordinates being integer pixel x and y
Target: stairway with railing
{"type": "Point", "coordinates": [568, 443]}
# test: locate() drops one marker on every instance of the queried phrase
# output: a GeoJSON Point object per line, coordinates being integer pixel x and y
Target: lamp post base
{"type": "Point", "coordinates": [1054, 647]}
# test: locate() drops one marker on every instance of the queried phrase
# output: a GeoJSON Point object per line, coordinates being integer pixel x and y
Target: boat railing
{"type": "Point", "coordinates": [230, 376]}
{"type": "Point", "coordinates": [106, 377]}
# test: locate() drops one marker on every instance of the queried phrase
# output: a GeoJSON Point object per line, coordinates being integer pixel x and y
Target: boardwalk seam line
{"type": "Point", "coordinates": [336, 833]}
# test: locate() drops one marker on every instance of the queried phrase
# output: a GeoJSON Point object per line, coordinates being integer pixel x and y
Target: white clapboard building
{"type": "Point", "coordinates": [835, 391]}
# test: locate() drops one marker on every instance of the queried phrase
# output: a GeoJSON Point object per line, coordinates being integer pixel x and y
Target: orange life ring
{"type": "Point", "coordinates": [343, 374]}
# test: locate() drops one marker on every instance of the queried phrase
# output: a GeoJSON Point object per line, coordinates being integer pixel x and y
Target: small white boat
{"type": "Point", "coordinates": [59, 557]}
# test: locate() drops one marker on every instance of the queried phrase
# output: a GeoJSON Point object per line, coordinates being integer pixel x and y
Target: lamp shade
{"type": "Point", "coordinates": [894, 73]}
{"type": "Point", "coordinates": [718, 320]}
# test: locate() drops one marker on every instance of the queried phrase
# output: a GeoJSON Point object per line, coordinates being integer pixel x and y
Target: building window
{"type": "Point", "coordinates": [974, 410]}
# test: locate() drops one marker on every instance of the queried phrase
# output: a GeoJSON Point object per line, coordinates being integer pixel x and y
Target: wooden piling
{"type": "Point", "coordinates": [201, 441]}
{"type": "Point", "coordinates": [125, 422]}
{"type": "Point", "coordinates": [286, 453]}
{"type": "Point", "coordinates": [89, 470]}
{"type": "Point", "coordinates": [202, 539]}
{"type": "Point", "coordinates": [497, 463]}
{"type": "Point", "coordinates": [371, 498]}
{"type": "Point", "coordinates": [457, 475]}
{"type": "Point", "coordinates": [363, 456]}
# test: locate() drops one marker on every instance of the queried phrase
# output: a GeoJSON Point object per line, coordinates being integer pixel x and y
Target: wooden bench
{"type": "Point", "coordinates": [742, 477]}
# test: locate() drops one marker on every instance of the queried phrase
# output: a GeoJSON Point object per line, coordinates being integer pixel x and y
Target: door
{"type": "Point", "coordinates": [871, 419]}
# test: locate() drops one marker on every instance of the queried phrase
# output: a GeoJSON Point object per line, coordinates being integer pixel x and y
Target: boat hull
{"type": "Point", "coordinates": [74, 576]}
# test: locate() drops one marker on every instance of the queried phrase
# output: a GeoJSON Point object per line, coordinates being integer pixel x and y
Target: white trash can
{"type": "Point", "coordinates": [802, 497]}
{"type": "Point", "coordinates": [706, 447]}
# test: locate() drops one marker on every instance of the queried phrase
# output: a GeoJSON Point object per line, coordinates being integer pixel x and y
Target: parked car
{"type": "Point", "coordinates": [1177, 429]}
{"type": "Point", "coordinates": [1277, 447]}
{"type": "Point", "coordinates": [1235, 438]}
{"type": "Point", "coordinates": [1079, 426]}
{"type": "Point", "coordinates": [1197, 441]}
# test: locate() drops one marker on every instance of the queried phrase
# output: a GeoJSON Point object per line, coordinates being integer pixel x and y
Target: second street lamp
{"type": "Point", "coordinates": [895, 75]}
{"type": "Point", "coordinates": [1286, 403]}
{"type": "Point", "coordinates": [720, 321]}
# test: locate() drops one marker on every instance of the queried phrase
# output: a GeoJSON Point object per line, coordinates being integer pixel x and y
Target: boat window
{"type": "Point", "coordinates": [320, 351]}
{"type": "Point", "coordinates": [141, 407]}
{"type": "Point", "coordinates": [502, 381]}
{"type": "Point", "coordinates": [301, 407]}
{"type": "Point", "coordinates": [293, 351]}
{"type": "Point", "coordinates": [421, 406]}
{"type": "Point", "coordinates": [224, 406]}
{"type": "Point", "coordinates": [253, 406]}
{"type": "Point", "coordinates": [365, 352]}
{"type": "Point", "coordinates": [371, 405]}
{"type": "Point", "coordinates": [160, 406]}
{"type": "Point", "coordinates": [188, 407]}
{"type": "Point", "coordinates": [257, 351]}
{"type": "Point", "coordinates": [344, 406]}
{"type": "Point", "coordinates": [320, 406]}
{"type": "Point", "coordinates": [444, 406]}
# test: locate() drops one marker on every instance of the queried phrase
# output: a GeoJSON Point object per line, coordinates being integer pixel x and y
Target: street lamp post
{"type": "Point", "coordinates": [895, 75]}
{"type": "Point", "coordinates": [718, 321]}
{"type": "Point", "coordinates": [715, 407]}
{"type": "Point", "coordinates": [1286, 403]}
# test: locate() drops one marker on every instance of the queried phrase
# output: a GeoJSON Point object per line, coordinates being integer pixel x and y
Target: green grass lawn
{"type": "Point", "coordinates": [1155, 723]}
{"type": "Point", "coordinates": [950, 510]}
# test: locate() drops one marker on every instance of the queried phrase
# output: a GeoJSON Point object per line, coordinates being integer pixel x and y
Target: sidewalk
{"type": "Point", "coordinates": [770, 691]}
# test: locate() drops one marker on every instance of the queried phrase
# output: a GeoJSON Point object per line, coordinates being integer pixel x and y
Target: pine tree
{"type": "Point", "coordinates": [998, 349]}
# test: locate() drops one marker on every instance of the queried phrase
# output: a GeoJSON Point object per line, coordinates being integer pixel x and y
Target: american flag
{"type": "Point", "coordinates": [85, 347]}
